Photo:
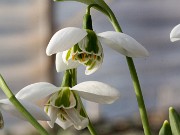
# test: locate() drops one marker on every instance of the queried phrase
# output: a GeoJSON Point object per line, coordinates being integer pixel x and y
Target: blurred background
{"type": "Point", "coordinates": [27, 26]}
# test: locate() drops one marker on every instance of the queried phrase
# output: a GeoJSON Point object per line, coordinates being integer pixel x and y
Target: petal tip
{"type": "Point", "coordinates": [175, 33]}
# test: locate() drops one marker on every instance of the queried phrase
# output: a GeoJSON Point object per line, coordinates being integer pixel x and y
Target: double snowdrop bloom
{"type": "Point", "coordinates": [175, 33]}
{"type": "Point", "coordinates": [62, 107]}
{"type": "Point", "coordinates": [74, 46]}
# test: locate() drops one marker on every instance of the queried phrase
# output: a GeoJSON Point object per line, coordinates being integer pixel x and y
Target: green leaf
{"type": "Point", "coordinates": [165, 129]}
{"type": "Point", "coordinates": [174, 121]}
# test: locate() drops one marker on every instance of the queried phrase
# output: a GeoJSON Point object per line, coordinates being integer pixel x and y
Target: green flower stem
{"type": "Point", "coordinates": [139, 96]}
{"type": "Point", "coordinates": [90, 125]}
{"type": "Point", "coordinates": [136, 84]}
{"type": "Point", "coordinates": [21, 108]}
{"type": "Point", "coordinates": [73, 83]}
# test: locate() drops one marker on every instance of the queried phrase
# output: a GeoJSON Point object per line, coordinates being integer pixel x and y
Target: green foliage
{"type": "Point", "coordinates": [165, 129]}
{"type": "Point", "coordinates": [174, 127]}
{"type": "Point", "coordinates": [174, 121]}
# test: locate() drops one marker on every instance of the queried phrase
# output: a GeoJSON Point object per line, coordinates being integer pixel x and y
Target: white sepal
{"type": "Point", "coordinates": [52, 113]}
{"type": "Point", "coordinates": [34, 110]}
{"type": "Point", "coordinates": [96, 92]}
{"type": "Point", "coordinates": [61, 66]}
{"type": "Point", "coordinates": [64, 124]}
{"type": "Point", "coordinates": [175, 33]}
{"type": "Point", "coordinates": [78, 121]}
{"type": "Point", "coordinates": [123, 44]}
{"type": "Point", "coordinates": [64, 39]}
{"type": "Point", "coordinates": [37, 91]}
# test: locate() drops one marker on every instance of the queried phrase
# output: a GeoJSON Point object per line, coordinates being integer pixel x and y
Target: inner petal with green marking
{"type": "Point", "coordinates": [88, 51]}
{"type": "Point", "coordinates": [63, 106]}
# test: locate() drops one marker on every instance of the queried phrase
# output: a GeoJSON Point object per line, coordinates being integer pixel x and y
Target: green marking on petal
{"type": "Point", "coordinates": [87, 52]}
{"type": "Point", "coordinates": [99, 58]}
{"type": "Point", "coordinates": [46, 107]}
{"type": "Point", "coordinates": [76, 48]}
{"type": "Point", "coordinates": [60, 116]}
{"type": "Point", "coordinates": [63, 98]}
{"type": "Point", "coordinates": [93, 64]}
{"type": "Point", "coordinates": [68, 54]}
{"type": "Point", "coordinates": [91, 45]}
{"type": "Point", "coordinates": [81, 112]}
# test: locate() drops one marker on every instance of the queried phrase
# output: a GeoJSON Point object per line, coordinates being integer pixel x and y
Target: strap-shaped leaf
{"type": "Point", "coordinates": [165, 129]}
{"type": "Point", "coordinates": [174, 121]}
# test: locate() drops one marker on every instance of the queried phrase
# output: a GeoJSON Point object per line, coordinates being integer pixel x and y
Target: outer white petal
{"type": "Point", "coordinates": [37, 91]}
{"type": "Point", "coordinates": [52, 113]}
{"type": "Point", "coordinates": [175, 33]}
{"type": "Point", "coordinates": [123, 44]}
{"type": "Point", "coordinates": [61, 66]}
{"type": "Point", "coordinates": [65, 39]}
{"type": "Point", "coordinates": [34, 110]}
{"type": "Point", "coordinates": [64, 124]}
{"type": "Point", "coordinates": [97, 92]}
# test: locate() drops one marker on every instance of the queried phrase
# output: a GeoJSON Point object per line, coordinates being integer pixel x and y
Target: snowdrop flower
{"type": "Point", "coordinates": [175, 33]}
{"type": "Point", "coordinates": [62, 107]}
{"type": "Point", "coordinates": [74, 46]}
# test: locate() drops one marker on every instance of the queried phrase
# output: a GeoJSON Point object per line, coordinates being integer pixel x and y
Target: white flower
{"type": "Point", "coordinates": [75, 45]}
{"type": "Point", "coordinates": [62, 107]}
{"type": "Point", "coordinates": [175, 33]}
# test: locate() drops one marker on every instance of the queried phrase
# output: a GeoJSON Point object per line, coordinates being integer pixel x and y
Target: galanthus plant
{"type": "Point", "coordinates": [74, 46]}
{"type": "Point", "coordinates": [175, 33]}
{"type": "Point", "coordinates": [62, 107]}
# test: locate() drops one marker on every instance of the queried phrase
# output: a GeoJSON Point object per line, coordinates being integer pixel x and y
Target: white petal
{"type": "Point", "coordinates": [53, 100]}
{"type": "Point", "coordinates": [64, 39]}
{"type": "Point", "coordinates": [123, 44]}
{"type": "Point", "coordinates": [94, 69]}
{"type": "Point", "coordinates": [52, 113]}
{"type": "Point", "coordinates": [37, 91]}
{"type": "Point", "coordinates": [97, 92]}
{"type": "Point", "coordinates": [64, 54]}
{"type": "Point", "coordinates": [78, 121]}
{"type": "Point", "coordinates": [61, 66]}
{"type": "Point", "coordinates": [34, 110]}
{"type": "Point", "coordinates": [64, 124]}
{"type": "Point", "coordinates": [175, 33]}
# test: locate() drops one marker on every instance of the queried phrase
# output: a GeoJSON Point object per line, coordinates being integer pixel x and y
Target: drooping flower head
{"type": "Point", "coordinates": [76, 46]}
{"type": "Point", "coordinates": [62, 107]}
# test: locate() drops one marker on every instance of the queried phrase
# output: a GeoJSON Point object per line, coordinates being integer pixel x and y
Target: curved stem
{"type": "Point", "coordinates": [96, 6]}
{"type": "Point", "coordinates": [136, 84]}
{"type": "Point", "coordinates": [74, 82]}
{"type": "Point", "coordinates": [20, 107]}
